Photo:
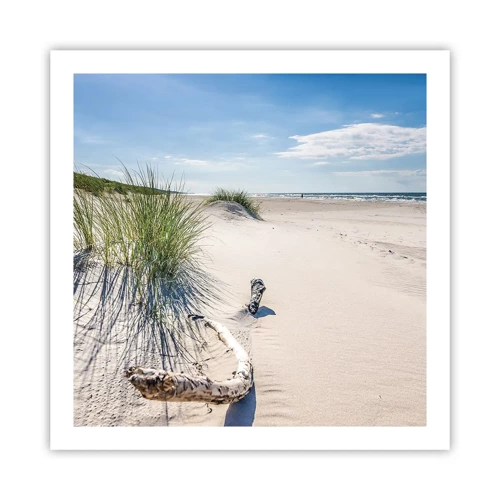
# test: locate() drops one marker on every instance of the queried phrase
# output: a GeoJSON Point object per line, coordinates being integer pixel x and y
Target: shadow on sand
{"type": "Point", "coordinates": [263, 312]}
{"type": "Point", "coordinates": [242, 413]}
{"type": "Point", "coordinates": [110, 311]}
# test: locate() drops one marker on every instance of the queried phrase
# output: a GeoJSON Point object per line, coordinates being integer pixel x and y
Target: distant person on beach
{"type": "Point", "coordinates": [302, 195]}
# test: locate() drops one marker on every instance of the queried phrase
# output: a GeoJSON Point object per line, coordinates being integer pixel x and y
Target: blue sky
{"type": "Point", "coordinates": [261, 133]}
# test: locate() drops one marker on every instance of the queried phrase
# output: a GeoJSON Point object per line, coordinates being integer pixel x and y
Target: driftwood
{"type": "Point", "coordinates": [160, 385]}
{"type": "Point", "coordinates": [257, 290]}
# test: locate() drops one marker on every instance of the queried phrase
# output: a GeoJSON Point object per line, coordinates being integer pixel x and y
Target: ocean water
{"type": "Point", "coordinates": [385, 197]}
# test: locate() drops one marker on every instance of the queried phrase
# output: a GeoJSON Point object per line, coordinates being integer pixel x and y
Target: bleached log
{"type": "Point", "coordinates": [160, 385]}
{"type": "Point", "coordinates": [257, 290]}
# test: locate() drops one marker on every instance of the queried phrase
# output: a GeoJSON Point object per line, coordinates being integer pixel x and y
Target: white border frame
{"type": "Point", "coordinates": [435, 435]}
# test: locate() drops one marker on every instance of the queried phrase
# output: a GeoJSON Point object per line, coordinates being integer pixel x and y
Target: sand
{"type": "Point", "coordinates": [339, 339]}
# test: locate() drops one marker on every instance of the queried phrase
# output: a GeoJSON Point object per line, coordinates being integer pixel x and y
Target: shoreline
{"type": "Point", "coordinates": [320, 197]}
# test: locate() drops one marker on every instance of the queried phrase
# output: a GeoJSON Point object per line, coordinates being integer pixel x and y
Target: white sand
{"type": "Point", "coordinates": [339, 339]}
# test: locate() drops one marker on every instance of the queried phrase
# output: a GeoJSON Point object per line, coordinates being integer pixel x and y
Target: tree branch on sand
{"type": "Point", "coordinates": [257, 290]}
{"type": "Point", "coordinates": [160, 385]}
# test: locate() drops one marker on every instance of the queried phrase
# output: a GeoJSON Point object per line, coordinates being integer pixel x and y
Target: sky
{"type": "Point", "coordinates": [269, 133]}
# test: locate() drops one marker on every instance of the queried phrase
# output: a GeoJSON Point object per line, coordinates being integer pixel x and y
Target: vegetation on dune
{"type": "Point", "coordinates": [236, 196]}
{"type": "Point", "coordinates": [99, 185]}
{"type": "Point", "coordinates": [150, 228]}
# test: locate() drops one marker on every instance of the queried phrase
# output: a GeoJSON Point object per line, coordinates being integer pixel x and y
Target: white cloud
{"type": "Point", "coordinates": [320, 163]}
{"type": "Point", "coordinates": [364, 173]}
{"type": "Point", "coordinates": [188, 161]}
{"type": "Point", "coordinates": [261, 136]}
{"type": "Point", "coordinates": [359, 142]}
{"type": "Point", "coordinates": [94, 140]}
{"type": "Point", "coordinates": [167, 157]}
{"type": "Point", "coordinates": [114, 173]}
{"type": "Point", "coordinates": [218, 164]}
{"type": "Point", "coordinates": [377, 115]}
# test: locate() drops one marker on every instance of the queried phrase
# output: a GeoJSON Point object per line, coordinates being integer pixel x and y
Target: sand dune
{"type": "Point", "coordinates": [339, 339]}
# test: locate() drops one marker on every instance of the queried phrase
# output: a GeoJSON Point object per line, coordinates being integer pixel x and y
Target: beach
{"type": "Point", "coordinates": [339, 339]}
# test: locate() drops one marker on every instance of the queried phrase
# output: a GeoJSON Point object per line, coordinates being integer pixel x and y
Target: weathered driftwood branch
{"type": "Point", "coordinates": [257, 290]}
{"type": "Point", "coordinates": [160, 385]}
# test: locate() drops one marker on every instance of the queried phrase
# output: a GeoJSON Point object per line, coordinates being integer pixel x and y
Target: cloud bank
{"type": "Point", "coordinates": [360, 141]}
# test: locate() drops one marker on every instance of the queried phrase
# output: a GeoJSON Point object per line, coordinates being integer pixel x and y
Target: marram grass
{"type": "Point", "coordinates": [237, 196]}
{"type": "Point", "coordinates": [152, 229]}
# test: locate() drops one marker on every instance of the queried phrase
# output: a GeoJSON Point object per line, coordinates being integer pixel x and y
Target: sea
{"type": "Point", "coordinates": [368, 197]}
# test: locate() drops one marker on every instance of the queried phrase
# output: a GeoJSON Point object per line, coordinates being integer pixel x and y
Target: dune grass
{"type": "Point", "coordinates": [152, 229]}
{"type": "Point", "coordinates": [83, 221]}
{"type": "Point", "coordinates": [237, 196]}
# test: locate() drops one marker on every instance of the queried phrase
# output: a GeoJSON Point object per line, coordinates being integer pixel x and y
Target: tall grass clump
{"type": "Point", "coordinates": [83, 221]}
{"type": "Point", "coordinates": [152, 229]}
{"type": "Point", "coordinates": [236, 196]}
